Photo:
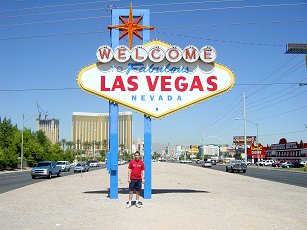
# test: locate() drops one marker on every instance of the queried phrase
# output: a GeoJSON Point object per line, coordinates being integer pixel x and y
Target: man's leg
{"type": "Point", "coordinates": [131, 188]}
{"type": "Point", "coordinates": [139, 187]}
{"type": "Point", "coordinates": [130, 195]}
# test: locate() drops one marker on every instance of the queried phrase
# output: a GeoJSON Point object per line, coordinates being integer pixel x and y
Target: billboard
{"type": "Point", "coordinates": [239, 140]}
{"type": "Point", "coordinates": [155, 78]}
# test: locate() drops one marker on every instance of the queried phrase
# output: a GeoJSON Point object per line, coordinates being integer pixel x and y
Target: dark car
{"type": "Point", "coordinates": [276, 164]}
{"type": "Point", "coordinates": [236, 165]}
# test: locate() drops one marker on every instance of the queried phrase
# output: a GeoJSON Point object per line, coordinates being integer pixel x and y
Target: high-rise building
{"type": "Point", "coordinates": [50, 128]}
{"type": "Point", "coordinates": [88, 128]}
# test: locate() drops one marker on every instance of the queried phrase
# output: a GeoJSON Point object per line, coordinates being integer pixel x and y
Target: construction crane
{"type": "Point", "coordinates": [41, 111]}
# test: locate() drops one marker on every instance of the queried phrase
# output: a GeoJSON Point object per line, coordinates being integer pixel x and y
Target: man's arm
{"type": "Point", "coordinates": [129, 173]}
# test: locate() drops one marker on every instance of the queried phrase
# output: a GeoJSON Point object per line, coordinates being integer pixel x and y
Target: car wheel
{"type": "Point", "coordinates": [232, 170]}
{"type": "Point", "coordinates": [58, 174]}
{"type": "Point", "coordinates": [33, 177]}
{"type": "Point", "coordinates": [49, 175]}
{"type": "Point", "coordinates": [244, 171]}
{"type": "Point", "coordinates": [226, 169]}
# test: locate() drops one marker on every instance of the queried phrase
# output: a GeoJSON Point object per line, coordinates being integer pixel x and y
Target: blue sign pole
{"type": "Point", "coordinates": [113, 164]}
{"type": "Point", "coordinates": [113, 127]}
{"type": "Point", "coordinates": [113, 111]}
{"type": "Point", "coordinates": [147, 128]}
{"type": "Point", "coordinates": [147, 157]}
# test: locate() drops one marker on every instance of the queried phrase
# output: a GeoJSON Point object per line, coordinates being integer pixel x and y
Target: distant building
{"type": "Point", "coordinates": [88, 128]}
{"type": "Point", "coordinates": [50, 127]}
{"type": "Point", "coordinates": [211, 150]}
{"type": "Point", "coordinates": [138, 145]}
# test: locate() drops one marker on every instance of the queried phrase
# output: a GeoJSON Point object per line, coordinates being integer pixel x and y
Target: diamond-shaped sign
{"type": "Point", "coordinates": [156, 88]}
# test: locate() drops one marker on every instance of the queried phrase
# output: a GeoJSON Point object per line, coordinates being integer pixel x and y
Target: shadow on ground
{"type": "Point", "coordinates": [153, 191]}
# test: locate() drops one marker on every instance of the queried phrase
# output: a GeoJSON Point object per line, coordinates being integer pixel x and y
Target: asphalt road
{"type": "Point", "coordinates": [286, 177]}
{"type": "Point", "coordinates": [13, 180]}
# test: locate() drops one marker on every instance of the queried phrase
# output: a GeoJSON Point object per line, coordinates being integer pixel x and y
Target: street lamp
{"type": "Point", "coordinates": [257, 138]}
{"type": "Point", "coordinates": [23, 123]}
{"type": "Point", "coordinates": [94, 144]}
{"type": "Point", "coordinates": [222, 139]}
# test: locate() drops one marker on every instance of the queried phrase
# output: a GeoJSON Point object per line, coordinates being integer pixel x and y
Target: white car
{"type": "Point", "coordinates": [268, 163]}
{"type": "Point", "coordinates": [93, 163]}
{"type": "Point", "coordinates": [206, 164]}
{"type": "Point", "coordinates": [303, 163]}
{"type": "Point", "coordinates": [65, 165]}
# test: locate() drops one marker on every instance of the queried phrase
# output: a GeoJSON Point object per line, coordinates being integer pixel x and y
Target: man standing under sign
{"type": "Point", "coordinates": [135, 178]}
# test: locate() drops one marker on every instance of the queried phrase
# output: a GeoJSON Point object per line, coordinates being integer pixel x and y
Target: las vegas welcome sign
{"type": "Point", "coordinates": [156, 78]}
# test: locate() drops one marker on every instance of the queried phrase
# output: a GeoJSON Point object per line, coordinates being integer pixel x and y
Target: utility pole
{"type": "Point", "coordinates": [244, 117]}
{"type": "Point", "coordinates": [21, 155]}
{"type": "Point", "coordinates": [94, 144]}
{"type": "Point", "coordinates": [202, 144]}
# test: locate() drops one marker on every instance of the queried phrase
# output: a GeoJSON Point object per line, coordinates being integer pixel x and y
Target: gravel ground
{"type": "Point", "coordinates": [184, 197]}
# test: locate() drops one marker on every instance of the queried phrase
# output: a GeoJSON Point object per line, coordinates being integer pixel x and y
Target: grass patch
{"type": "Point", "coordinates": [293, 169]}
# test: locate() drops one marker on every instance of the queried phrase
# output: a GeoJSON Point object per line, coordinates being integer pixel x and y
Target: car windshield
{"type": "Point", "coordinates": [43, 164]}
{"type": "Point", "coordinates": [80, 164]}
{"type": "Point", "coordinates": [235, 162]}
{"type": "Point", "coordinates": [60, 163]}
{"type": "Point", "coordinates": [93, 161]}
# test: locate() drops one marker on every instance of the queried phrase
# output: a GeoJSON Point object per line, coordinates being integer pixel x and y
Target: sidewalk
{"type": "Point", "coordinates": [184, 197]}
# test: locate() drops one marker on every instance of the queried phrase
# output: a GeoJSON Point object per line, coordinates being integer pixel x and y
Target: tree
{"type": "Point", "coordinates": [9, 144]}
{"type": "Point", "coordinates": [70, 144]}
{"type": "Point", "coordinates": [63, 142]}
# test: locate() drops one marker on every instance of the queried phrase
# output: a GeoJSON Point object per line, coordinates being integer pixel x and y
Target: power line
{"type": "Point", "coordinates": [95, 32]}
{"type": "Point", "coordinates": [279, 114]}
{"type": "Point", "coordinates": [218, 40]}
{"type": "Point", "coordinates": [52, 35]}
{"type": "Point", "coordinates": [277, 102]}
{"type": "Point", "coordinates": [276, 69]}
{"type": "Point", "coordinates": [229, 8]}
{"type": "Point", "coordinates": [157, 12]}
{"type": "Point", "coordinates": [274, 134]}
{"type": "Point", "coordinates": [60, 5]}
{"type": "Point", "coordinates": [283, 75]}
{"type": "Point", "coordinates": [98, 9]}
{"type": "Point", "coordinates": [37, 89]}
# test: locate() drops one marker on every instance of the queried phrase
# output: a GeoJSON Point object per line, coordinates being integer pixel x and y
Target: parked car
{"type": "Point", "coordinates": [236, 165]}
{"type": "Point", "coordinates": [206, 164]}
{"type": "Point", "coordinates": [276, 164]}
{"type": "Point", "coordinates": [287, 164]}
{"type": "Point", "coordinates": [303, 163]}
{"type": "Point", "coordinates": [121, 162]}
{"type": "Point", "coordinates": [46, 169]}
{"type": "Point", "coordinates": [246, 162]}
{"type": "Point", "coordinates": [81, 167]}
{"type": "Point", "coordinates": [296, 165]}
{"type": "Point", "coordinates": [93, 163]}
{"type": "Point", "coordinates": [260, 163]}
{"type": "Point", "coordinates": [65, 165]}
{"type": "Point", "coordinates": [268, 162]}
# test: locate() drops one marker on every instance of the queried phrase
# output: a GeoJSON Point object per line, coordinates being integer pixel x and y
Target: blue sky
{"type": "Point", "coordinates": [251, 41]}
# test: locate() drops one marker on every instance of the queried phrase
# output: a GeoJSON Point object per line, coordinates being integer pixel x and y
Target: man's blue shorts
{"type": "Point", "coordinates": [135, 185]}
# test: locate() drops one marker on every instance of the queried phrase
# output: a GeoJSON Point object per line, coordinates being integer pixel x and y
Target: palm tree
{"type": "Point", "coordinates": [70, 144]}
{"type": "Point", "coordinates": [87, 146]}
{"type": "Point", "coordinates": [63, 142]}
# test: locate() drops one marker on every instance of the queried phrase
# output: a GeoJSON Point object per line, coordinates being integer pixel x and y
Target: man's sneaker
{"type": "Point", "coordinates": [137, 205]}
{"type": "Point", "coordinates": [129, 205]}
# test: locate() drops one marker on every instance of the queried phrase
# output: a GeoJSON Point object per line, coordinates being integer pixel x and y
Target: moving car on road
{"type": "Point", "coordinates": [46, 169]}
{"type": "Point", "coordinates": [206, 164]}
{"type": "Point", "coordinates": [236, 165]}
{"type": "Point", "coordinates": [65, 165]}
{"type": "Point", "coordinates": [81, 167]}
{"type": "Point", "coordinates": [93, 163]}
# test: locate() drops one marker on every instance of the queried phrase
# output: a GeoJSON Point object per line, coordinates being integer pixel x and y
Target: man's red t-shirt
{"type": "Point", "coordinates": [136, 169]}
